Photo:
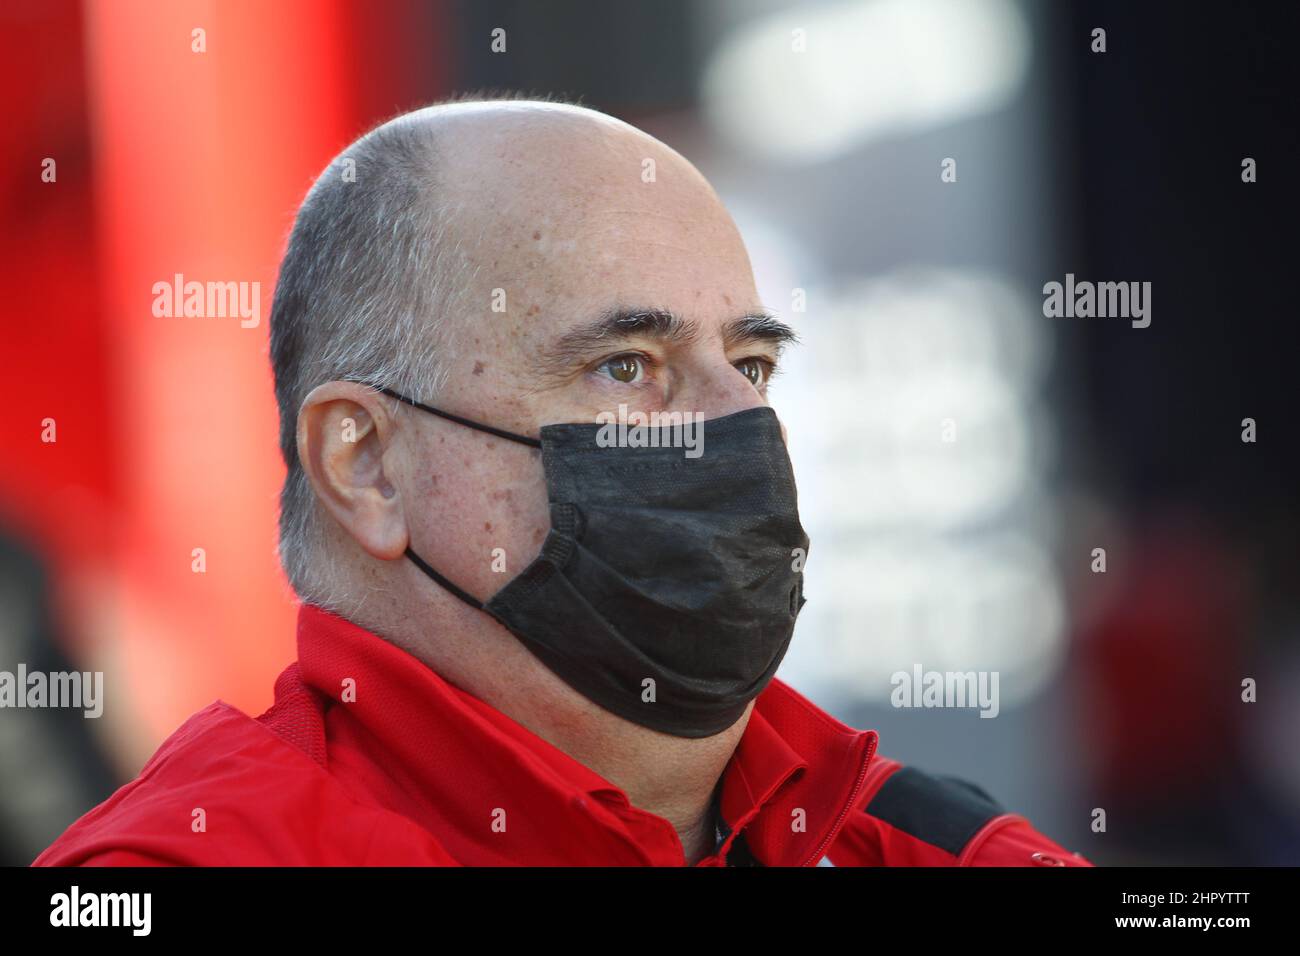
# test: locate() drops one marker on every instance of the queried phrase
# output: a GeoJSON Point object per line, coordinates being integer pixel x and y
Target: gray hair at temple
{"type": "Point", "coordinates": [363, 280]}
{"type": "Point", "coordinates": [373, 265]}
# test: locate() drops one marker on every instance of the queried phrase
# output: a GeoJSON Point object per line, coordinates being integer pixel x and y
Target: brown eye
{"type": "Point", "coordinates": [754, 370]}
{"type": "Point", "coordinates": [623, 368]}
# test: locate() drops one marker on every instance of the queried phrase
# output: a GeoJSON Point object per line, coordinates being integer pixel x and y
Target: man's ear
{"type": "Point", "coordinates": [344, 431]}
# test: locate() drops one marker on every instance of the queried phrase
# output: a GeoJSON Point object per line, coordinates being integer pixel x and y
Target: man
{"type": "Point", "coordinates": [535, 629]}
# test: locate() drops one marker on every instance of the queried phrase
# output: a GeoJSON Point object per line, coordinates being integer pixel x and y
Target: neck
{"type": "Point", "coordinates": [671, 777]}
{"type": "Point", "coordinates": [698, 841]}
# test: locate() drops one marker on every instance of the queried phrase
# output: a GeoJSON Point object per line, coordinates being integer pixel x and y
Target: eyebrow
{"type": "Point", "coordinates": [759, 327]}
{"type": "Point", "coordinates": [622, 323]}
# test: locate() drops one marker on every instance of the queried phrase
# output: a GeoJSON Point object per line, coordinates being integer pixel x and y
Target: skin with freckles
{"type": "Point", "coordinates": [553, 209]}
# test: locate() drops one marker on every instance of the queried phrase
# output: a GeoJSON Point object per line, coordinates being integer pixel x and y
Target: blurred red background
{"type": "Point", "coordinates": [140, 473]}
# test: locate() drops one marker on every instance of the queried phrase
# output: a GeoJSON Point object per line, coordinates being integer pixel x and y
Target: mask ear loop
{"type": "Point", "coordinates": [509, 436]}
{"type": "Point", "coordinates": [415, 559]}
{"type": "Point", "coordinates": [465, 596]}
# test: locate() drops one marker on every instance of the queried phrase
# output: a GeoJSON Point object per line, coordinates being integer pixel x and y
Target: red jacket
{"type": "Point", "coordinates": [411, 770]}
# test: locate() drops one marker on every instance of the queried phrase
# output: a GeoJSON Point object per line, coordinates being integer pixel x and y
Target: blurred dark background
{"type": "Point", "coordinates": [1121, 691]}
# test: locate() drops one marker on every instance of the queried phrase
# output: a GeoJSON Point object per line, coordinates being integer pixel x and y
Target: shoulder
{"type": "Point", "coordinates": [907, 816]}
{"type": "Point", "coordinates": [225, 790]}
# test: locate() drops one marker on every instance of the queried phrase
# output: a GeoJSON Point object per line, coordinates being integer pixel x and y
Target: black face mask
{"type": "Point", "coordinates": [667, 588]}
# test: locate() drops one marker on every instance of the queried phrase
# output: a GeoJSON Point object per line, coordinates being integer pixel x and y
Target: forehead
{"type": "Point", "coordinates": [563, 221]}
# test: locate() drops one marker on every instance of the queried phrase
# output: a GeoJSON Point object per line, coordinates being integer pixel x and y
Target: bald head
{"type": "Point", "coordinates": [487, 255]}
{"type": "Point", "coordinates": [566, 172]}
{"type": "Point", "coordinates": [572, 209]}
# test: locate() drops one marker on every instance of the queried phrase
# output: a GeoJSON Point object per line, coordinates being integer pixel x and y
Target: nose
{"type": "Point", "coordinates": [716, 388]}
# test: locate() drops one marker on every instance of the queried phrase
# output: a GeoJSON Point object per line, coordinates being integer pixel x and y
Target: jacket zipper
{"type": "Point", "coordinates": [848, 807]}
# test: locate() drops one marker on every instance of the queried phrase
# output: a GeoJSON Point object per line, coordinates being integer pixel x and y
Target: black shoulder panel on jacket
{"type": "Point", "coordinates": [941, 810]}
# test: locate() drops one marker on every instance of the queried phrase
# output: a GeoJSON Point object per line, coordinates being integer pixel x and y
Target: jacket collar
{"type": "Point", "coordinates": [794, 777]}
